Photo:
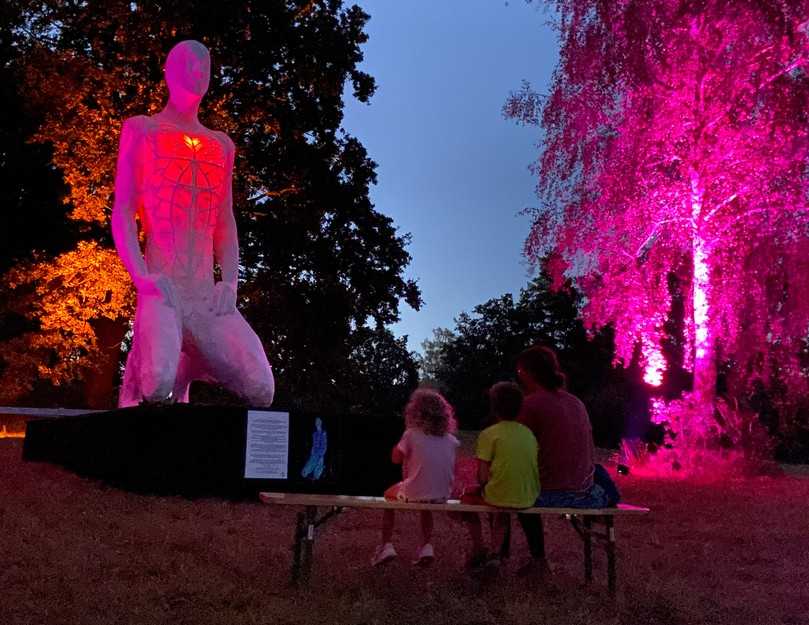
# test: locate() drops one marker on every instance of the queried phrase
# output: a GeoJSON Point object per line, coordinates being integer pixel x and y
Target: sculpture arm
{"type": "Point", "coordinates": [226, 241]}
{"type": "Point", "coordinates": [124, 228]}
{"type": "Point", "coordinates": [483, 472]}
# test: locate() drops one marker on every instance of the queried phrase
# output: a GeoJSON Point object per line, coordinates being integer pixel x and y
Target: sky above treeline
{"type": "Point", "coordinates": [452, 171]}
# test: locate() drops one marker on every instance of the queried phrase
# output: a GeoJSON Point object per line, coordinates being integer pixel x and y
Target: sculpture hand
{"type": "Point", "coordinates": [224, 298]}
{"type": "Point", "coordinates": [157, 285]}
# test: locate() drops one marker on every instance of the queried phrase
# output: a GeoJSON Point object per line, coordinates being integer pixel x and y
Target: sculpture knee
{"type": "Point", "coordinates": [157, 385]}
{"type": "Point", "coordinates": [260, 393]}
{"type": "Point", "coordinates": [262, 396]}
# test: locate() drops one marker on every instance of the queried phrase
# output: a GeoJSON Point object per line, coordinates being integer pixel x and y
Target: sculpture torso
{"type": "Point", "coordinates": [182, 176]}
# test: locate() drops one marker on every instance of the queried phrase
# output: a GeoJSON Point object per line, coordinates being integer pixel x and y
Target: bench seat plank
{"type": "Point", "coordinates": [452, 505]}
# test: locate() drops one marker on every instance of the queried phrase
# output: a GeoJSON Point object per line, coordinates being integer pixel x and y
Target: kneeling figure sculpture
{"type": "Point", "coordinates": [176, 175]}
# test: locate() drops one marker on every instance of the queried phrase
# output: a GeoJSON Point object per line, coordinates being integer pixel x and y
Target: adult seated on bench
{"type": "Point", "coordinates": [562, 428]}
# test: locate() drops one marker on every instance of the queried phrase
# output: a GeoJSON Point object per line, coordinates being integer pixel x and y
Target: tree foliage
{"type": "Point", "coordinates": [30, 187]}
{"type": "Point", "coordinates": [672, 180]}
{"type": "Point", "coordinates": [71, 297]}
{"type": "Point", "coordinates": [482, 350]}
{"type": "Point", "coordinates": [320, 266]}
{"type": "Point", "coordinates": [384, 373]}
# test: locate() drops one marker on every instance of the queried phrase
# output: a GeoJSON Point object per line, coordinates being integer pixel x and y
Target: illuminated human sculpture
{"type": "Point", "coordinates": [175, 174]}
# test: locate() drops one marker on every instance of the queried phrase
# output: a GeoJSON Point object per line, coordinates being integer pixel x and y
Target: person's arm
{"type": "Point", "coordinates": [226, 241]}
{"type": "Point", "coordinates": [124, 208]}
{"type": "Point", "coordinates": [401, 449]}
{"type": "Point", "coordinates": [484, 453]}
{"type": "Point", "coordinates": [483, 471]}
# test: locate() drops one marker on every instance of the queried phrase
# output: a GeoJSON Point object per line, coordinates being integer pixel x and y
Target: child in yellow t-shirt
{"type": "Point", "coordinates": [507, 467]}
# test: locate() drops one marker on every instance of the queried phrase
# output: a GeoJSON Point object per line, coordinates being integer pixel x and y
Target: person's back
{"type": "Point", "coordinates": [429, 465]}
{"type": "Point", "coordinates": [562, 429]}
{"type": "Point", "coordinates": [511, 450]}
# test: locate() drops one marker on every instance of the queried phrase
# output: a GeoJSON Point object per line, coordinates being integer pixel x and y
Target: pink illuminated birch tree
{"type": "Point", "coordinates": [675, 143]}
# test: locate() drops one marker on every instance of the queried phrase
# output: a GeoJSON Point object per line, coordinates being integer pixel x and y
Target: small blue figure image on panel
{"type": "Point", "coordinates": [315, 465]}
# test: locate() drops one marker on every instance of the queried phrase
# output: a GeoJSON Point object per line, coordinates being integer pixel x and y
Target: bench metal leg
{"type": "Point", "coordinates": [588, 549]}
{"type": "Point", "coordinates": [304, 542]}
{"type": "Point", "coordinates": [583, 524]}
{"type": "Point", "coordinates": [308, 543]}
{"type": "Point", "coordinates": [611, 573]}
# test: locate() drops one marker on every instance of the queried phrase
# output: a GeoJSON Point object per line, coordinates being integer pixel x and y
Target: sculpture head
{"type": "Point", "coordinates": [188, 72]}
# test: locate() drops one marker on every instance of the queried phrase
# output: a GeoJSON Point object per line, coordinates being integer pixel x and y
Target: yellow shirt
{"type": "Point", "coordinates": [511, 449]}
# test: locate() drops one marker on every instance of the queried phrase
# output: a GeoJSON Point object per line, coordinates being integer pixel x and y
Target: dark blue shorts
{"type": "Point", "coordinates": [602, 494]}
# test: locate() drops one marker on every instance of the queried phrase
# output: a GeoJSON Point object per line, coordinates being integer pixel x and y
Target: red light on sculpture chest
{"type": "Point", "coordinates": [192, 142]}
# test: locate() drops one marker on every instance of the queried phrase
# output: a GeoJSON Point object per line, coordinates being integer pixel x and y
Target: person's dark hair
{"type": "Point", "coordinates": [541, 364]}
{"type": "Point", "coordinates": [505, 399]}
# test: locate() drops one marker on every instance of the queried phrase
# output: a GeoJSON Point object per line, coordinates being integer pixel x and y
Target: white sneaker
{"type": "Point", "coordinates": [383, 554]}
{"type": "Point", "coordinates": [426, 556]}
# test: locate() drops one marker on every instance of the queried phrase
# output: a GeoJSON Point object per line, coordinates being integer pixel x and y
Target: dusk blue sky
{"type": "Point", "coordinates": [452, 171]}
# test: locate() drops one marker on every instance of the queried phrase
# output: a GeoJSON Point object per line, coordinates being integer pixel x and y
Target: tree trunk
{"type": "Point", "coordinates": [703, 347]}
{"type": "Point", "coordinates": [99, 380]}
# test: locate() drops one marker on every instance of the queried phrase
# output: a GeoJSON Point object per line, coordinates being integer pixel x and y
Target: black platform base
{"type": "Point", "coordinates": [199, 451]}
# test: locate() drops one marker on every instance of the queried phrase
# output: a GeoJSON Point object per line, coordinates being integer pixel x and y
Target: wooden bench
{"type": "Point", "coordinates": [582, 520]}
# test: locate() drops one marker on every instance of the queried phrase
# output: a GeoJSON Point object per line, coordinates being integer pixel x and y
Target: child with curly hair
{"type": "Point", "coordinates": [426, 452]}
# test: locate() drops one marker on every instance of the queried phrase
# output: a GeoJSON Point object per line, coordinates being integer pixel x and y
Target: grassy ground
{"type": "Point", "coordinates": [74, 551]}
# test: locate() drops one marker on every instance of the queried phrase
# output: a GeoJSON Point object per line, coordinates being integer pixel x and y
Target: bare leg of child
{"type": "Point", "coordinates": [392, 494]}
{"type": "Point", "coordinates": [426, 554]}
{"type": "Point", "coordinates": [385, 552]}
